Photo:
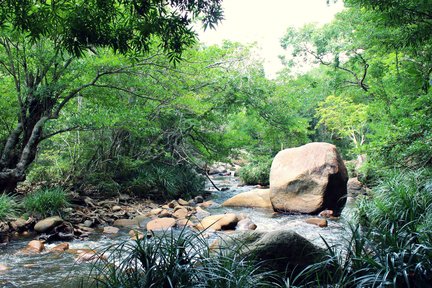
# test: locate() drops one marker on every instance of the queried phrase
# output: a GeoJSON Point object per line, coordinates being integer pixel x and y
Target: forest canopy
{"type": "Point", "coordinates": [91, 88]}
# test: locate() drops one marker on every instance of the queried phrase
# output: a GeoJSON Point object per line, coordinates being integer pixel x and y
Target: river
{"type": "Point", "coordinates": [61, 270]}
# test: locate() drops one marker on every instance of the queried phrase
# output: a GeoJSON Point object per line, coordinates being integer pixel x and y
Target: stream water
{"type": "Point", "coordinates": [61, 270]}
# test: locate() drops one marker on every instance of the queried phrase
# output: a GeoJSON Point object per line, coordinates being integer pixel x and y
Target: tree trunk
{"type": "Point", "coordinates": [19, 152]}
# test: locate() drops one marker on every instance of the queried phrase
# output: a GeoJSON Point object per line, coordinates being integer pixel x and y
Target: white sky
{"type": "Point", "coordinates": [265, 22]}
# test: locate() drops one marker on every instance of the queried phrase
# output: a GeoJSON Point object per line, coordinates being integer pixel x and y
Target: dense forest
{"type": "Point", "coordinates": [110, 97]}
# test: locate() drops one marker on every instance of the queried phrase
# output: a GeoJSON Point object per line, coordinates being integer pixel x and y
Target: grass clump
{"type": "Point", "coordinates": [257, 171]}
{"type": "Point", "coordinates": [8, 207]}
{"type": "Point", "coordinates": [182, 259]}
{"type": "Point", "coordinates": [46, 202]}
{"type": "Point", "coordinates": [392, 244]}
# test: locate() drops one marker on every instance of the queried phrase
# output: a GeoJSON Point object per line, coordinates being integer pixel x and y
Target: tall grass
{"type": "Point", "coordinates": [391, 247]}
{"type": "Point", "coordinates": [46, 202]}
{"type": "Point", "coordinates": [175, 259]}
{"type": "Point", "coordinates": [8, 207]}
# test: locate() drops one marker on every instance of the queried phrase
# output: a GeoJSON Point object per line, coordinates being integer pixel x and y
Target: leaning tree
{"type": "Point", "coordinates": [42, 40]}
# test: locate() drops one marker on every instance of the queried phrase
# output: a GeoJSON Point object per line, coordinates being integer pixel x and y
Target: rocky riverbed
{"type": "Point", "coordinates": [54, 252]}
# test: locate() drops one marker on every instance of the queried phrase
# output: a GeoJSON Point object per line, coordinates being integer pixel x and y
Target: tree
{"type": "Point", "coordinates": [49, 52]}
{"type": "Point", "coordinates": [345, 118]}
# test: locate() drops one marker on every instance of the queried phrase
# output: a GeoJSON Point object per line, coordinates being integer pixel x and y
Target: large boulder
{"type": "Point", "coordinates": [280, 249]}
{"type": "Point", "coordinates": [259, 198]}
{"type": "Point", "coordinates": [308, 179]}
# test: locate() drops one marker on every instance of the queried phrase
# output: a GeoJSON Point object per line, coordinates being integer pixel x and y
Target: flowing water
{"type": "Point", "coordinates": [61, 270]}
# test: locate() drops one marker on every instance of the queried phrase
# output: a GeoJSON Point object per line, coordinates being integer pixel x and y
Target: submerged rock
{"type": "Point", "coordinates": [125, 223]}
{"type": "Point", "coordinates": [308, 179]}
{"type": "Point", "coordinates": [33, 247]}
{"type": "Point", "coordinates": [110, 230]}
{"type": "Point", "coordinates": [317, 221]}
{"type": "Point", "coordinates": [60, 247]}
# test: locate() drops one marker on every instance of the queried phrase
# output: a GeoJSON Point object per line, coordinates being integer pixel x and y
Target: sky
{"type": "Point", "coordinates": [265, 22]}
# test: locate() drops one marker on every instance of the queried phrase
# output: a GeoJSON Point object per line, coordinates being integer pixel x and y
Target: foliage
{"type": "Point", "coordinates": [45, 202]}
{"type": "Point", "coordinates": [163, 181]}
{"type": "Point", "coordinates": [401, 199]}
{"type": "Point", "coordinates": [8, 206]}
{"type": "Point", "coordinates": [124, 26]}
{"type": "Point", "coordinates": [345, 118]}
{"type": "Point", "coordinates": [42, 49]}
{"type": "Point", "coordinates": [257, 171]}
{"type": "Point", "coordinates": [172, 259]}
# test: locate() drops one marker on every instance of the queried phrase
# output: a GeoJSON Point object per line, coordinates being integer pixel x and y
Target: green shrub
{"type": "Point", "coordinates": [402, 198]}
{"type": "Point", "coordinates": [8, 206]}
{"type": "Point", "coordinates": [257, 171]}
{"type": "Point", "coordinates": [172, 259]}
{"type": "Point", "coordinates": [163, 181]}
{"type": "Point", "coordinates": [46, 202]}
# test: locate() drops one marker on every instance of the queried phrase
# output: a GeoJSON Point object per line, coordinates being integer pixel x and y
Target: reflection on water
{"type": "Point", "coordinates": [60, 270]}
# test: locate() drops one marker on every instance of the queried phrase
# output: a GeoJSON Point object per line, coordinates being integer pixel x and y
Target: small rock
{"type": "Point", "coordinates": [142, 220]}
{"type": "Point", "coordinates": [26, 234]}
{"type": "Point", "coordinates": [47, 224]}
{"type": "Point", "coordinates": [88, 223]}
{"type": "Point", "coordinates": [181, 223]}
{"type": "Point", "coordinates": [245, 225]}
{"type": "Point", "coordinates": [86, 256]}
{"type": "Point", "coordinates": [182, 202]}
{"type": "Point", "coordinates": [68, 210]}
{"type": "Point", "coordinates": [156, 211]}
{"type": "Point", "coordinates": [125, 223]}
{"type": "Point", "coordinates": [201, 213]}
{"type": "Point", "coordinates": [317, 221]}
{"type": "Point", "coordinates": [206, 204]}
{"type": "Point", "coordinates": [172, 204]}
{"type": "Point", "coordinates": [60, 247]}
{"type": "Point", "coordinates": [161, 224]}
{"type": "Point", "coordinates": [326, 213]}
{"type": "Point", "coordinates": [135, 235]}
{"type": "Point", "coordinates": [116, 208]}
{"type": "Point", "coordinates": [111, 230]}
{"type": "Point", "coordinates": [218, 222]}
{"type": "Point", "coordinates": [165, 213]}
{"type": "Point", "coordinates": [19, 224]}
{"type": "Point", "coordinates": [165, 206]}
{"type": "Point", "coordinates": [181, 213]}
{"type": "Point", "coordinates": [199, 199]}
